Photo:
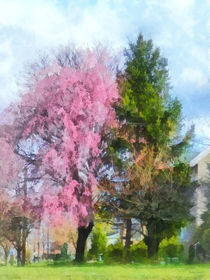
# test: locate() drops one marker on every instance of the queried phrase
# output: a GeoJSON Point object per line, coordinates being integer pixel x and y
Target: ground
{"type": "Point", "coordinates": [109, 272]}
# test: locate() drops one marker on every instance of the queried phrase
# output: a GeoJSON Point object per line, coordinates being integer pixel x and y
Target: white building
{"type": "Point", "coordinates": [201, 173]}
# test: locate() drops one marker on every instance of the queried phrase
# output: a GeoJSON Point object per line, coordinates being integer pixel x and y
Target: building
{"type": "Point", "coordinates": [201, 172]}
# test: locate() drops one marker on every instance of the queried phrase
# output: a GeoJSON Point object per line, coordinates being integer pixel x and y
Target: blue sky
{"type": "Point", "coordinates": [181, 28]}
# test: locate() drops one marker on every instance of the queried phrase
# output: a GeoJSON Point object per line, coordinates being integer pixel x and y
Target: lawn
{"type": "Point", "coordinates": [103, 272]}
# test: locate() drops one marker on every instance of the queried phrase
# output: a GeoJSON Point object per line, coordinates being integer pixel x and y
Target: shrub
{"type": "Point", "coordinates": [56, 257]}
{"type": "Point", "coordinates": [12, 259]}
{"type": "Point", "coordinates": [115, 253]}
{"type": "Point", "coordinates": [64, 251]}
{"type": "Point", "coordinates": [137, 252]}
{"type": "Point", "coordinates": [28, 256]}
{"type": "Point", "coordinates": [170, 248]}
{"type": "Point", "coordinates": [98, 243]}
{"type": "Point", "coordinates": [206, 240]}
{"type": "Point", "coordinates": [63, 257]}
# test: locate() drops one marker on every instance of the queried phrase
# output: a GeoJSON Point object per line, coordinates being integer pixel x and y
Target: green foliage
{"type": "Point", "coordinates": [170, 248]}
{"type": "Point", "coordinates": [115, 253]}
{"type": "Point", "coordinates": [167, 209]}
{"type": "Point", "coordinates": [28, 256]}
{"type": "Point", "coordinates": [98, 242]}
{"type": "Point", "coordinates": [159, 190]}
{"type": "Point", "coordinates": [138, 252]}
{"type": "Point", "coordinates": [63, 257]}
{"type": "Point", "coordinates": [206, 239]}
{"type": "Point", "coordinates": [12, 259]}
{"type": "Point", "coordinates": [202, 233]}
{"type": "Point", "coordinates": [147, 105]}
{"type": "Point", "coordinates": [64, 251]}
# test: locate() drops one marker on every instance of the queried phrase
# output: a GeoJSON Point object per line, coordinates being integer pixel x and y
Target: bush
{"type": "Point", "coordinates": [137, 252]}
{"type": "Point", "coordinates": [64, 251]}
{"type": "Point", "coordinates": [98, 243]}
{"type": "Point", "coordinates": [56, 257]}
{"type": "Point", "coordinates": [115, 253]}
{"type": "Point", "coordinates": [28, 256]}
{"type": "Point", "coordinates": [170, 248]}
{"type": "Point", "coordinates": [12, 259]}
{"type": "Point", "coordinates": [202, 235]}
{"type": "Point", "coordinates": [63, 257]}
{"type": "Point", "coordinates": [206, 240]}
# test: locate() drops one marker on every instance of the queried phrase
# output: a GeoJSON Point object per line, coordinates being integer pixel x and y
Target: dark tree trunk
{"type": "Point", "coordinates": [152, 240]}
{"type": "Point", "coordinates": [23, 259]}
{"type": "Point", "coordinates": [83, 233]}
{"type": "Point", "coordinates": [153, 246]}
{"type": "Point", "coordinates": [18, 256]}
{"type": "Point", "coordinates": [38, 247]}
{"type": "Point", "coordinates": [128, 233]}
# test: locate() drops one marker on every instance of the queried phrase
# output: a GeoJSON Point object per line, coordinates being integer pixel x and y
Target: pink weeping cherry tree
{"type": "Point", "coordinates": [64, 115]}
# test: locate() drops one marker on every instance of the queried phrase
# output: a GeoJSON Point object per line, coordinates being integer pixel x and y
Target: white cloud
{"type": "Point", "coordinates": [180, 28]}
{"type": "Point", "coordinates": [195, 76]}
{"type": "Point", "coordinates": [6, 56]}
{"type": "Point", "coordinates": [29, 26]}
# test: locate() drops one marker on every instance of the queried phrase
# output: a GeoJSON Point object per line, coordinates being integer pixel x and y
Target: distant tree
{"type": "Point", "coordinates": [6, 245]}
{"type": "Point", "coordinates": [4, 242]}
{"type": "Point", "coordinates": [16, 223]}
{"type": "Point", "coordinates": [65, 232]}
{"type": "Point", "coordinates": [20, 205]}
{"type": "Point", "coordinates": [64, 251]}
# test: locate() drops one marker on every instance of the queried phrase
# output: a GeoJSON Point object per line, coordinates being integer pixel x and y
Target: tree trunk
{"type": "Point", "coordinates": [38, 244]}
{"type": "Point", "coordinates": [38, 249]}
{"type": "Point", "coordinates": [6, 248]}
{"type": "Point", "coordinates": [6, 255]}
{"type": "Point", "coordinates": [23, 259]}
{"type": "Point", "coordinates": [152, 240]}
{"type": "Point", "coordinates": [128, 233]}
{"type": "Point", "coordinates": [48, 243]}
{"type": "Point", "coordinates": [18, 256]}
{"type": "Point", "coordinates": [153, 246]}
{"type": "Point", "coordinates": [83, 233]}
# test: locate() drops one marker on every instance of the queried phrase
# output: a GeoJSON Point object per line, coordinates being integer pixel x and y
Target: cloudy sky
{"type": "Point", "coordinates": [181, 28]}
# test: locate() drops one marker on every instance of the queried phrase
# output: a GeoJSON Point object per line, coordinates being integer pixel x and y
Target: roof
{"type": "Point", "coordinates": [200, 156]}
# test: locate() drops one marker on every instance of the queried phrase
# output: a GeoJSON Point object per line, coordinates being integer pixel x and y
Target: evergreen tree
{"type": "Point", "coordinates": [156, 185]}
{"type": "Point", "coordinates": [64, 251]}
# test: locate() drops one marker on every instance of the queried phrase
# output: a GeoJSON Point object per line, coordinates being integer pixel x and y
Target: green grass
{"type": "Point", "coordinates": [107, 272]}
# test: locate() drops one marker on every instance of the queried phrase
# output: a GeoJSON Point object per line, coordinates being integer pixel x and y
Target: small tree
{"type": "Point", "coordinates": [6, 245]}
{"type": "Point", "coordinates": [98, 242]}
{"type": "Point", "coordinates": [64, 251]}
{"type": "Point", "coordinates": [19, 206]}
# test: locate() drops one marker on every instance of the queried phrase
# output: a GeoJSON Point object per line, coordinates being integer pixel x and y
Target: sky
{"type": "Point", "coordinates": [181, 28]}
